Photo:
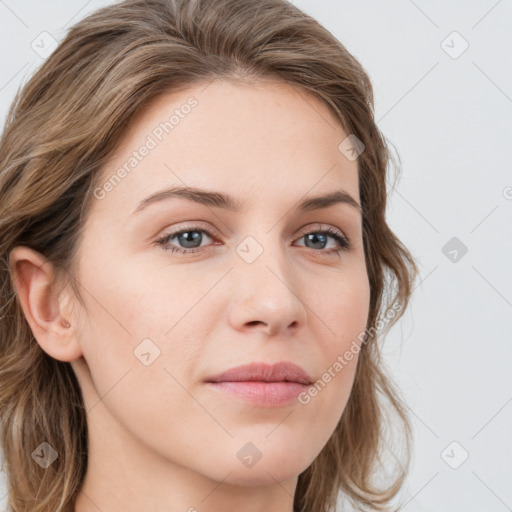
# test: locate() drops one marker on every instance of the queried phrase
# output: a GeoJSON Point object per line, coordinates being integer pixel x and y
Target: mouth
{"type": "Point", "coordinates": [262, 384]}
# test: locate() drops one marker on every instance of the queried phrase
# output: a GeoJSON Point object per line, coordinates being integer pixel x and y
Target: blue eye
{"type": "Point", "coordinates": [191, 238]}
{"type": "Point", "coordinates": [321, 238]}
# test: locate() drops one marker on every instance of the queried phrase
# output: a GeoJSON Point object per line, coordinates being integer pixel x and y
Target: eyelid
{"type": "Point", "coordinates": [193, 225]}
{"type": "Point", "coordinates": [319, 226]}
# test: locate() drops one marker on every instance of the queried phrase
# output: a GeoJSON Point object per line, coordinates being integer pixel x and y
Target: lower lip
{"type": "Point", "coordinates": [270, 394]}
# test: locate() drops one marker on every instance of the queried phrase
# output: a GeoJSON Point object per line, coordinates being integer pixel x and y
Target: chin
{"type": "Point", "coordinates": [266, 462]}
{"type": "Point", "coordinates": [262, 474]}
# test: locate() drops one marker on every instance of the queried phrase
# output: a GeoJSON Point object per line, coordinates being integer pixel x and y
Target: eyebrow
{"type": "Point", "coordinates": [227, 202]}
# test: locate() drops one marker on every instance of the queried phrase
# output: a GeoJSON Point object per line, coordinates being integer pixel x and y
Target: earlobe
{"type": "Point", "coordinates": [34, 280]}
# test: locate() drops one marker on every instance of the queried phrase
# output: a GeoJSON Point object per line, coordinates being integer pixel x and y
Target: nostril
{"type": "Point", "coordinates": [255, 322]}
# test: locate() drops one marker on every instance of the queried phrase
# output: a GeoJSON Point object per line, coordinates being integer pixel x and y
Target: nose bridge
{"type": "Point", "coordinates": [262, 256]}
{"type": "Point", "coordinates": [266, 287]}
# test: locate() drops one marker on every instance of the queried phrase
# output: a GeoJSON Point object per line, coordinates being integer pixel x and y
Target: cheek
{"type": "Point", "coordinates": [138, 374]}
{"type": "Point", "coordinates": [342, 315]}
{"type": "Point", "coordinates": [343, 312]}
{"type": "Point", "coordinates": [142, 334]}
{"type": "Point", "coordinates": [131, 303]}
{"type": "Point", "coordinates": [346, 315]}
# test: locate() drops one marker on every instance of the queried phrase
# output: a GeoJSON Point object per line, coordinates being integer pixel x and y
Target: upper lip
{"type": "Point", "coordinates": [278, 372]}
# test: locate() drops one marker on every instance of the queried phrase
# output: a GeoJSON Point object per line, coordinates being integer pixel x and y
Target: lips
{"type": "Point", "coordinates": [262, 384]}
{"type": "Point", "coordinates": [278, 372]}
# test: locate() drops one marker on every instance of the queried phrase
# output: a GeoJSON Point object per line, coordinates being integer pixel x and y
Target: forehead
{"type": "Point", "coordinates": [268, 136]}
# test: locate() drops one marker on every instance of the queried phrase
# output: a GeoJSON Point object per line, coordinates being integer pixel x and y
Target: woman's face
{"type": "Point", "coordinates": [252, 278]}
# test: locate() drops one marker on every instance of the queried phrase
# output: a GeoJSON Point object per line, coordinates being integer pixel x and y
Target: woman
{"type": "Point", "coordinates": [197, 268]}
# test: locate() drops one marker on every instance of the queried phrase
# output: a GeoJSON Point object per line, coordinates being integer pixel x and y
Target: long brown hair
{"type": "Point", "coordinates": [63, 125]}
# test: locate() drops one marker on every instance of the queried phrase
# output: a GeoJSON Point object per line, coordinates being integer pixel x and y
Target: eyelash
{"type": "Point", "coordinates": [343, 241]}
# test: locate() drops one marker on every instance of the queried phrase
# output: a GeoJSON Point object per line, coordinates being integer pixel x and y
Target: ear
{"type": "Point", "coordinates": [33, 278]}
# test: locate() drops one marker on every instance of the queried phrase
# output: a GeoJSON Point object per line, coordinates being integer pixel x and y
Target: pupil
{"type": "Point", "coordinates": [315, 238]}
{"type": "Point", "coordinates": [189, 238]}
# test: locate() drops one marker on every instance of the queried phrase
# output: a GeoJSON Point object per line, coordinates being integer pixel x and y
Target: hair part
{"type": "Point", "coordinates": [63, 126]}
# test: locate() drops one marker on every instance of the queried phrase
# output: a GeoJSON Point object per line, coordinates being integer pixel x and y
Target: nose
{"type": "Point", "coordinates": [267, 295]}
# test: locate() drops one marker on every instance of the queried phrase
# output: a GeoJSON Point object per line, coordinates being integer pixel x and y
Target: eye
{"type": "Point", "coordinates": [190, 239]}
{"type": "Point", "coordinates": [318, 239]}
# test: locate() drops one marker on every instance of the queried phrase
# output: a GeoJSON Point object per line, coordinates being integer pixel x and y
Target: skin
{"type": "Point", "coordinates": [160, 439]}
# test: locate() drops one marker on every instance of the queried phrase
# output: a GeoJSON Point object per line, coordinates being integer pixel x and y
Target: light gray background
{"type": "Point", "coordinates": [451, 122]}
